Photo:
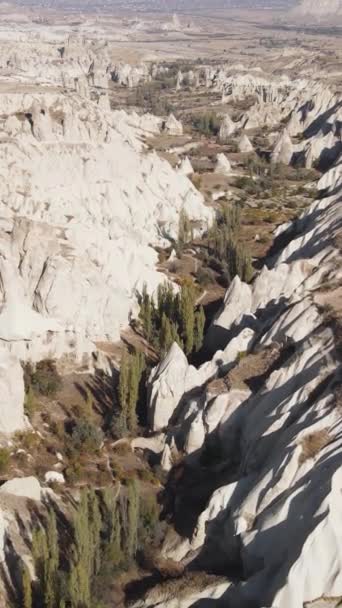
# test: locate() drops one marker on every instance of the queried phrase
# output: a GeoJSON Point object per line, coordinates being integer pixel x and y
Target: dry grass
{"type": "Point", "coordinates": [313, 443]}
{"type": "Point", "coordinates": [185, 586]}
{"type": "Point", "coordinates": [250, 371]}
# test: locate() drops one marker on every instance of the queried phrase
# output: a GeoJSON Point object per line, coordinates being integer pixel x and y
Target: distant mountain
{"type": "Point", "coordinates": [158, 5]}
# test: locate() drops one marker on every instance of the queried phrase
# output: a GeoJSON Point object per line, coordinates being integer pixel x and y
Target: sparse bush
{"type": "Point", "coordinates": [30, 404]}
{"type": "Point", "coordinates": [208, 124]}
{"type": "Point", "coordinates": [86, 437]}
{"type": "Point", "coordinates": [4, 460]}
{"type": "Point", "coordinates": [205, 277]}
{"type": "Point", "coordinates": [45, 379]}
{"type": "Point", "coordinates": [313, 443]}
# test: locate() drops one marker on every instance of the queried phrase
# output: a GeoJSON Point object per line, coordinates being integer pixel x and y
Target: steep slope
{"type": "Point", "coordinates": [256, 495]}
{"type": "Point", "coordinates": [81, 205]}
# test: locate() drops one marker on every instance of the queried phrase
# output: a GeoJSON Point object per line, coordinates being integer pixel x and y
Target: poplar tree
{"type": "Point", "coordinates": [26, 589]}
{"type": "Point", "coordinates": [187, 316]}
{"type": "Point", "coordinates": [132, 519]}
{"type": "Point", "coordinates": [146, 313]}
{"type": "Point", "coordinates": [123, 393]}
{"type": "Point", "coordinates": [199, 328]}
{"type": "Point", "coordinates": [52, 562]}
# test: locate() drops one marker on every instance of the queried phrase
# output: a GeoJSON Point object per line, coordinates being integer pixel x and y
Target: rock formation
{"type": "Point", "coordinates": [283, 150]}
{"type": "Point", "coordinates": [227, 129]}
{"type": "Point", "coordinates": [185, 167]}
{"type": "Point", "coordinates": [173, 126]}
{"type": "Point", "coordinates": [260, 425]}
{"type": "Point", "coordinates": [223, 165]}
{"type": "Point", "coordinates": [244, 145]}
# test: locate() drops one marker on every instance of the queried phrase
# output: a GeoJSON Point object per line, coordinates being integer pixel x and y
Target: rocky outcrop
{"type": "Point", "coordinates": [223, 165]}
{"type": "Point", "coordinates": [173, 126]}
{"type": "Point", "coordinates": [25, 487]}
{"type": "Point", "coordinates": [227, 129]}
{"type": "Point", "coordinates": [11, 394]}
{"type": "Point", "coordinates": [185, 167]}
{"type": "Point", "coordinates": [245, 146]}
{"type": "Point", "coordinates": [283, 150]}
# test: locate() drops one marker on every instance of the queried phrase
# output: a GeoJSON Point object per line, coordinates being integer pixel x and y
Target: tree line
{"type": "Point", "coordinates": [102, 538]}
{"type": "Point", "coordinates": [173, 317]}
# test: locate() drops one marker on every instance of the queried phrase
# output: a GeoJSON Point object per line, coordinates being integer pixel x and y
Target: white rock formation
{"type": "Point", "coordinates": [185, 167]}
{"type": "Point", "coordinates": [223, 165]}
{"type": "Point", "coordinates": [244, 145]}
{"type": "Point", "coordinates": [11, 394]}
{"type": "Point", "coordinates": [173, 126]}
{"type": "Point", "coordinates": [71, 260]}
{"type": "Point", "coordinates": [227, 128]}
{"type": "Point", "coordinates": [54, 477]}
{"type": "Point", "coordinates": [25, 487]}
{"type": "Point", "coordinates": [283, 150]}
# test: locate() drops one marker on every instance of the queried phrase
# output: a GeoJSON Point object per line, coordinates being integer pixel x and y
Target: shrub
{"type": "Point", "coordinates": [4, 460]}
{"type": "Point", "coordinates": [205, 277]}
{"type": "Point", "coordinates": [45, 379]}
{"type": "Point", "coordinates": [30, 404]}
{"type": "Point", "coordinates": [208, 124]}
{"type": "Point", "coordinates": [86, 437]}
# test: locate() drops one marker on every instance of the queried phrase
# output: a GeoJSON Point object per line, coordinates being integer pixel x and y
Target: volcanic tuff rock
{"type": "Point", "coordinates": [227, 129]}
{"type": "Point", "coordinates": [80, 246]}
{"type": "Point", "coordinates": [223, 165]}
{"type": "Point", "coordinates": [244, 145]}
{"type": "Point", "coordinates": [262, 433]}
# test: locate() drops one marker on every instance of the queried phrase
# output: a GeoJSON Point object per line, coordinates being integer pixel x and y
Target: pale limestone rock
{"type": "Point", "coordinates": [26, 487]}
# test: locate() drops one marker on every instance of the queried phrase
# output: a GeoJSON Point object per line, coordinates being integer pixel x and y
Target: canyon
{"type": "Point", "coordinates": [170, 307]}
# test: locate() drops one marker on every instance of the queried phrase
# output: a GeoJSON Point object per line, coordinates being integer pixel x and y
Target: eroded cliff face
{"type": "Point", "coordinates": [257, 495]}
{"type": "Point", "coordinates": [82, 205]}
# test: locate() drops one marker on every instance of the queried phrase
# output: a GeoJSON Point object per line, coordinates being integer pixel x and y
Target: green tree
{"type": "Point", "coordinates": [81, 568]}
{"type": "Point", "coordinates": [136, 368]}
{"type": "Point", "coordinates": [146, 313]}
{"type": "Point", "coordinates": [187, 316]}
{"type": "Point", "coordinates": [52, 562]}
{"type": "Point", "coordinates": [45, 551]}
{"type": "Point", "coordinates": [185, 232]}
{"type": "Point", "coordinates": [199, 328]}
{"type": "Point", "coordinates": [131, 370]}
{"type": "Point", "coordinates": [26, 590]}
{"type": "Point", "coordinates": [132, 519]}
{"type": "Point", "coordinates": [124, 392]}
